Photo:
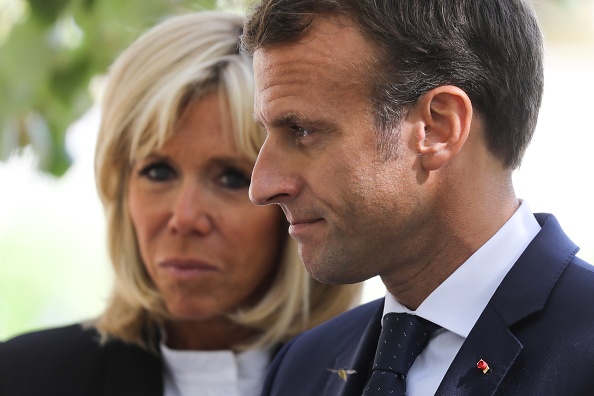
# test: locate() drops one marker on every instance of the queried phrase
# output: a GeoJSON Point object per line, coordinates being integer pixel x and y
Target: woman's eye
{"type": "Point", "coordinates": [234, 179]}
{"type": "Point", "coordinates": [158, 172]}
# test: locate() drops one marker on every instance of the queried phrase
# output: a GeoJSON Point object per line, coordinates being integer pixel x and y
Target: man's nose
{"type": "Point", "coordinates": [272, 178]}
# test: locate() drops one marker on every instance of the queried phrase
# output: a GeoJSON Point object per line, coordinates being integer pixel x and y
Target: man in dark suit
{"type": "Point", "coordinates": [393, 129]}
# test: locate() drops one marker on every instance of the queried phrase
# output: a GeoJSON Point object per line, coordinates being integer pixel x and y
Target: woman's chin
{"type": "Point", "coordinates": [193, 312]}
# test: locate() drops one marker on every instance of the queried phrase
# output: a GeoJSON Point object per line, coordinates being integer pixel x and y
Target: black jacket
{"type": "Point", "coordinates": [69, 361]}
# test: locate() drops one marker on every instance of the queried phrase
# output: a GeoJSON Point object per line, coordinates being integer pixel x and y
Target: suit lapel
{"type": "Point", "coordinates": [491, 341]}
{"type": "Point", "coordinates": [523, 292]}
{"type": "Point", "coordinates": [359, 358]}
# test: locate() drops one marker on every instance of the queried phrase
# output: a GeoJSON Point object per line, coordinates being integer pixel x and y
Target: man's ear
{"type": "Point", "coordinates": [445, 114]}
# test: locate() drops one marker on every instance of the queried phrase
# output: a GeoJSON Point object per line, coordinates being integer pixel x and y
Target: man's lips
{"type": "Point", "coordinates": [301, 227]}
{"type": "Point", "coordinates": [297, 222]}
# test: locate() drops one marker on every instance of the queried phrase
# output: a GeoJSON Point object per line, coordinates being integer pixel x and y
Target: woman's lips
{"type": "Point", "coordinates": [184, 268]}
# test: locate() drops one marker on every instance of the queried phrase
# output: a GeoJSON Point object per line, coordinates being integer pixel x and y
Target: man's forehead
{"type": "Point", "coordinates": [324, 67]}
{"type": "Point", "coordinates": [326, 36]}
{"type": "Point", "coordinates": [329, 45]}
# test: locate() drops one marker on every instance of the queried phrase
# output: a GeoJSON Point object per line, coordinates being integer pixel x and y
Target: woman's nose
{"type": "Point", "coordinates": [191, 212]}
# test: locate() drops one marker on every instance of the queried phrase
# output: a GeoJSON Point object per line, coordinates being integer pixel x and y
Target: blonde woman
{"type": "Point", "coordinates": [207, 285]}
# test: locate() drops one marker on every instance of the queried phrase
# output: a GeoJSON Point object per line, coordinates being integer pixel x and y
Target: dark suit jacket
{"type": "Point", "coordinates": [536, 333]}
{"type": "Point", "coordinates": [69, 361]}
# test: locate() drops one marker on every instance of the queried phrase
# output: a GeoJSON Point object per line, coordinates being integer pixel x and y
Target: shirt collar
{"type": "Point", "coordinates": [459, 301]}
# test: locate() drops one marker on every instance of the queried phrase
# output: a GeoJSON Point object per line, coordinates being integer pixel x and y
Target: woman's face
{"type": "Point", "coordinates": [207, 248]}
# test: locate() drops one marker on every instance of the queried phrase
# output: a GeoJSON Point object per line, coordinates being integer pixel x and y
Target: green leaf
{"type": "Point", "coordinates": [50, 57]}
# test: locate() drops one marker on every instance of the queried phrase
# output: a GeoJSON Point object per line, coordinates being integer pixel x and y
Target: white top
{"type": "Point", "coordinates": [459, 301]}
{"type": "Point", "coordinates": [214, 373]}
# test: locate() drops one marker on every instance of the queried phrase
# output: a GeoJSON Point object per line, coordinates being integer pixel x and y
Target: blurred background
{"type": "Point", "coordinates": [54, 54]}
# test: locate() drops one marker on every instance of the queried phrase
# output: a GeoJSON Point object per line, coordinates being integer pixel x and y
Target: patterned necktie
{"type": "Point", "coordinates": [402, 339]}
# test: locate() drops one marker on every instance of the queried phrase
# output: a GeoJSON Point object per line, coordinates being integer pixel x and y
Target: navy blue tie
{"type": "Point", "coordinates": [402, 339]}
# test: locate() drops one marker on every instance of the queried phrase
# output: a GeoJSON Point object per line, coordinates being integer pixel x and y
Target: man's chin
{"type": "Point", "coordinates": [328, 272]}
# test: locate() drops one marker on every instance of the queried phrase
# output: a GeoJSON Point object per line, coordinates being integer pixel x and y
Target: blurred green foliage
{"type": "Point", "coordinates": [50, 51]}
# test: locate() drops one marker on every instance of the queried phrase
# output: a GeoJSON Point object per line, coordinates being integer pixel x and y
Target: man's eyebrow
{"type": "Point", "coordinates": [287, 119]}
{"type": "Point", "coordinates": [291, 118]}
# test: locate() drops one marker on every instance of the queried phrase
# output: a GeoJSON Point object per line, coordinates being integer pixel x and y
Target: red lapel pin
{"type": "Point", "coordinates": [483, 366]}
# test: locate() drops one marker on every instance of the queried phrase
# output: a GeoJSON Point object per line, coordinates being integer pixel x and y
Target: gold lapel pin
{"type": "Point", "coordinates": [342, 373]}
{"type": "Point", "coordinates": [483, 366]}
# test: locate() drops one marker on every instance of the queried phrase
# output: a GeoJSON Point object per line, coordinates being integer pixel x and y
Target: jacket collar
{"type": "Point", "coordinates": [358, 357]}
{"type": "Point", "coordinates": [491, 339]}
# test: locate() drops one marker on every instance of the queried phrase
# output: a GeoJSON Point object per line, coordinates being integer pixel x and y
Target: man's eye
{"type": "Point", "coordinates": [234, 179]}
{"type": "Point", "coordinates": [301, 132]}
{"type": "Point", "coordinates": [158, 172]}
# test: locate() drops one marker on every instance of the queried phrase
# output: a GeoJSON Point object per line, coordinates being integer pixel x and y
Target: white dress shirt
{"type": "Point", "coordinates": [459, 301]}
{"type": "Point", "coordinates": [214, 373]}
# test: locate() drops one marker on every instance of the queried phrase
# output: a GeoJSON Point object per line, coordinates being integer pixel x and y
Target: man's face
{"type": "Point", "coordinates": [353, 212]}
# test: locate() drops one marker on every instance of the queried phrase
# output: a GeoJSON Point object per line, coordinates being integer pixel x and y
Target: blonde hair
{"type": "Point", "coordinates": [178, 61]}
